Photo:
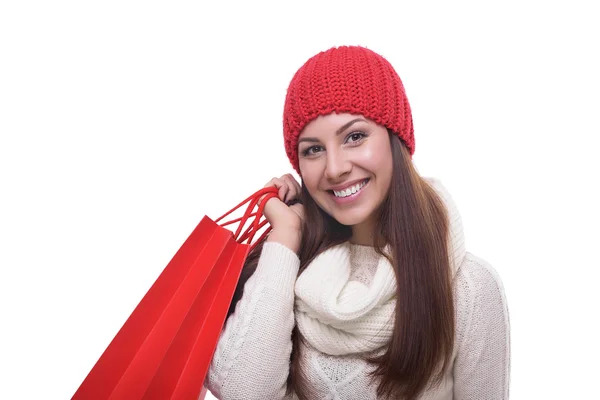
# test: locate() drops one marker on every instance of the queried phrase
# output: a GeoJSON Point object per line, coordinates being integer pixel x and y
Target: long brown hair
{"type": "Point", "coordinates": [413, 222]}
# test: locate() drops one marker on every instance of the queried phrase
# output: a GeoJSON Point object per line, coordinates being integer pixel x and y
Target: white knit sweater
{"type": "Point", "coordinates": [341, 304]}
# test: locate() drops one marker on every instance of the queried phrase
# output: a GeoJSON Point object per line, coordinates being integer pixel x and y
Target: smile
{"type": "Point", "coordinates": [351, 190]}
{"type": "Point", "coordinates": [350, 194]}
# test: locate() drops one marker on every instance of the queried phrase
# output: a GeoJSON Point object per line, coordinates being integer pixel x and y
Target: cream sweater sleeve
{"type": "Point", "coordinates": [252, 357]}
{"type": "Point", "coordinates": [482, 364]}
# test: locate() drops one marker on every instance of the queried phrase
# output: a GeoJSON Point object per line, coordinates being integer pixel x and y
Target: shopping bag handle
{"type": "Point", "coordinates": [261, 238]}
{"type": "Point", "coordinates": [253, 200]}
{"type": "Point", "coordinates": [248, 235]}
{"type": "Point", "coordinates": [253, 229]}
{"type": "Point", "coordinates": [256, 223]}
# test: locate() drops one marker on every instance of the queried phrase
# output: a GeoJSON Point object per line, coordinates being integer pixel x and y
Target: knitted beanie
{"type": "Point", "coordinates": [346, 79]}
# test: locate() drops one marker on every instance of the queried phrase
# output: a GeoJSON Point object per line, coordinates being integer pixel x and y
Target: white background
{"type": "Point", "coordinates": [122, 123]}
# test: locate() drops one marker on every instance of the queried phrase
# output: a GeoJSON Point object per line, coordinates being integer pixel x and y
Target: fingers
{"type": "Point", "coordinates": [281, 185]}
{"type": "Point", "coordinates": [275, 182]}
{"type": "Point", "coordinates": [273, 212]}
{"type": "Point", "coordinates": [289, 188]}
{"type": "Point", "coordinates": [293, 188]}
{"type": "Point", "coordinates": [277, 211]}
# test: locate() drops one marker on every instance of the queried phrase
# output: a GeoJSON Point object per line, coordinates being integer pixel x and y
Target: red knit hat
{"type": "Point", "coordinates": [345, 79]}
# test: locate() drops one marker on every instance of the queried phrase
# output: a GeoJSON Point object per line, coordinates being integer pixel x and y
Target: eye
{"type": "Point", "coordinates": [355, 137]}
{"type": "Point", "coordinates": [312, 150]}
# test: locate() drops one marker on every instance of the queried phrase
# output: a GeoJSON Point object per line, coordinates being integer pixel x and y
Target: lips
{"type": "Point", "coordinates": [346, 185]}
{"type": "Point", "coordinates": [349, 194]}
{"type": "Point", "coordinates": [350, 190]}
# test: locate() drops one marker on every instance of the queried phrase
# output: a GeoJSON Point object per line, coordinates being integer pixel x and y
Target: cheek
{"type": "Point", "coordinates": [378, 160]}
{"type": "Point", "coordinates": [375, 161]}
{"type": "Point", "coordinates": [310, 176]}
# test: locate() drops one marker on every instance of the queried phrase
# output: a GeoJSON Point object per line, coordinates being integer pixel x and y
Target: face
{"type": "Point", "coordinates": [346, 165]}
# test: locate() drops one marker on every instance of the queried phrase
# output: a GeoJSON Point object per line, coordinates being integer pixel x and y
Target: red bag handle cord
{"type": "Point", "coordinates": [260, 239]}
{"type": "Point", "coordinates": [248, 213]}
{"type": "Point", "coordinates": [256, 224]}
{"type": "Point", "coordinates": [233, 221]}
{"type": "Point", "coordinates": [249, 233]}
{"type": "Point", "coordinates": [254, 199]}
{"type": "Point", "coordinates": [253, 228]}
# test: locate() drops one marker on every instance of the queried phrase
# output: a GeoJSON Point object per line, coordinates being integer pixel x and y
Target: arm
{"type": "Point", "coordinates": [252, 358]}
{"type": "Point", "coordinates": [482, 366]}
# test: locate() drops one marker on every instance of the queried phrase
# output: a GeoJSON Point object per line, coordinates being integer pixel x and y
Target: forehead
{"type": "Point", "coordinates": [325, 125]}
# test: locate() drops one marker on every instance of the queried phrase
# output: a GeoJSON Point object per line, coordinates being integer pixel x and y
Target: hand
{"type": "Point", "coordinates": [285, 220]}
{"type": "Point", "coordinates": [282, 217]}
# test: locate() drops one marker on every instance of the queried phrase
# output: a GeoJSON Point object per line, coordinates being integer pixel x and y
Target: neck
{"type": "Point", "coordinates": [363, 233]}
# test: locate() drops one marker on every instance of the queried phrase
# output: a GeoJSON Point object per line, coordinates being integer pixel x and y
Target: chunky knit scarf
{"type": "Point", "coordinates": [338, 315]}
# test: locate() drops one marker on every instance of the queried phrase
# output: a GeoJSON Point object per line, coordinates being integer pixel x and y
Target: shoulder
{"type": "Point", "coordinates": [482, 344]}
{"type": "Point", "coordinates": [479, 296]}
{"type": "Point", "coordinates": [476, 275]}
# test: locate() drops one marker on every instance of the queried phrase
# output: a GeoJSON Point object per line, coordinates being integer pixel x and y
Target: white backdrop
{"type": "Point", "coordinates": [123, 122]}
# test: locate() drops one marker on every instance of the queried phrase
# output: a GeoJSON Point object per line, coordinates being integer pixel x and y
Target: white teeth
{"type": "Point", "coordinates": [351, 190]}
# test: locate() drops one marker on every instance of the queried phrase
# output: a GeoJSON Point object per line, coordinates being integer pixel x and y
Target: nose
{"type": "Point", "coordinates": [337, 166]}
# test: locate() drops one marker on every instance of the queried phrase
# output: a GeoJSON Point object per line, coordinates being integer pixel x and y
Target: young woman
{"type": "Point", "coordinates": [363, 289]}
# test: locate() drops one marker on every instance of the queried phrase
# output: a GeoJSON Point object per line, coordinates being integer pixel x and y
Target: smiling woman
{"type": "Point", "coordinates": [346, 165]}
{"type": "Point", "coordinates": [364, 288]}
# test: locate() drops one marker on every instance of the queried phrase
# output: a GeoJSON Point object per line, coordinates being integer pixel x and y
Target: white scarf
{"type": "Point", "coordinates": [339, 316]}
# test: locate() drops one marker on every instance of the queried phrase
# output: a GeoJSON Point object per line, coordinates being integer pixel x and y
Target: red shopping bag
{"type": "Point", "coordinates": [165, 347]}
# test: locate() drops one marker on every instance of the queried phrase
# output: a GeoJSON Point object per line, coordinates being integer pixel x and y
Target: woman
{"type": "Point", "coordinates": [363, 289]}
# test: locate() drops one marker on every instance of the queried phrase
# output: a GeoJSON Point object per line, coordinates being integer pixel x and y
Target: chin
{"type": "Point", "coordinates": [350, 213]}
{"type": "Point", "coordinates": [349, 218]}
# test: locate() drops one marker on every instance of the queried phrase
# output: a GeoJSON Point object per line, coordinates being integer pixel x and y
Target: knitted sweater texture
{"type": "Point", "coordinates": [344, 312]}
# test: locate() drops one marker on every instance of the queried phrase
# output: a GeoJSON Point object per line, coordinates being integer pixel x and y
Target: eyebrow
{"type": "Point", "coordinates": [340, 130]}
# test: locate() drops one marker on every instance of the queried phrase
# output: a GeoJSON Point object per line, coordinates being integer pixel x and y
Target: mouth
{"type": "Point", "coordinates": [349, 194]}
